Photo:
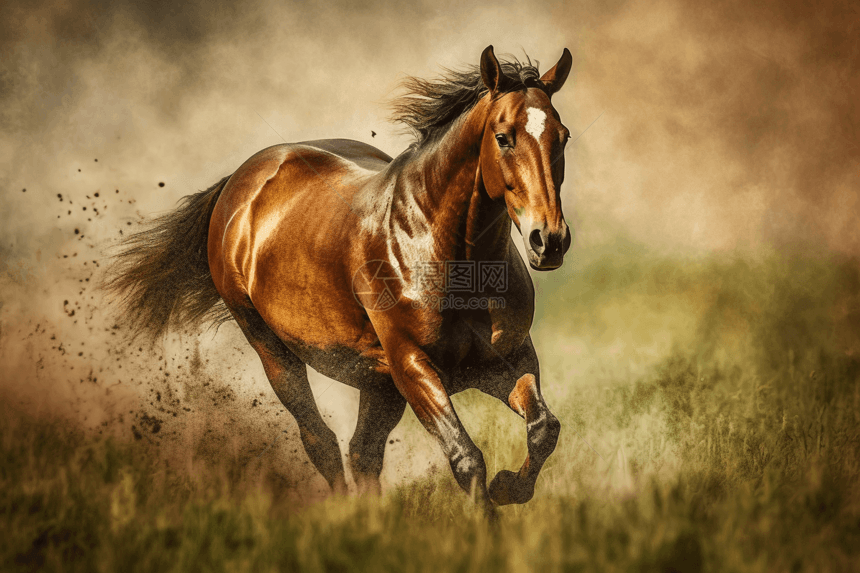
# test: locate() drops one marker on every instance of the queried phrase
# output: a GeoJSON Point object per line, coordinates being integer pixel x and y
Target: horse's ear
{"type": "Point", "coordinates": [555, 78]}
{"type": "Point", "coordinates": [491, 71]}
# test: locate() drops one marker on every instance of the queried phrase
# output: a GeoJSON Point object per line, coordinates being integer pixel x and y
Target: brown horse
{"type": "Point", "coordinates": [331, 254]}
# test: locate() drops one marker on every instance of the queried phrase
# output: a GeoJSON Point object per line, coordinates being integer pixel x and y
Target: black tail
{"type": "Point", "coordinates": [162, 273]}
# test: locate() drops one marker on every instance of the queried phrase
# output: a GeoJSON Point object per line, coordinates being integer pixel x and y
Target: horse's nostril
{"type": "Point", "coordinates": [536, 241]}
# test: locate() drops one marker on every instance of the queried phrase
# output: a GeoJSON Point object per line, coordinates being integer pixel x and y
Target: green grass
{"type": "Point", "coordinates": [711, 422]}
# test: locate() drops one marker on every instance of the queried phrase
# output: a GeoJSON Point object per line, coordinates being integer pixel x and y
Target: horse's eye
{"type": "Point", "coordinates": [502, 140]}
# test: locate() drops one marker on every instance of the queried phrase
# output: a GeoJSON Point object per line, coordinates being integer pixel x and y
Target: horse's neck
{"type": "Point", "coordinates": [446, 185]}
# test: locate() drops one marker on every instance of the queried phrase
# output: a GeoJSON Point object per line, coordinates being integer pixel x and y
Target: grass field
{"type": "Point", "coordinates": [711, 422]}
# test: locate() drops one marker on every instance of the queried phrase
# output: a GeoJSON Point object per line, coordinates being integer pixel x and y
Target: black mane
{"type": "Point", "coordinates": [430, 106]}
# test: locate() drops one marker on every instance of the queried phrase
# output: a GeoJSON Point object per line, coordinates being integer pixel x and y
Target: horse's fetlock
{"type": "Point", "coordinates": [468, 466]}
{"type": "Point", "coordinates": [543, 436]}
{"type": "Point", "coordinates": [553, 427]}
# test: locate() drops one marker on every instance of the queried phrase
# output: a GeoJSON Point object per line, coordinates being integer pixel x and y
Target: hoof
{"type": "Point", "coordinates": [368, 486]}
{"type": "Point", "coordinates": [339, 487]}
{"type": "Point", "coordinates": [507, 488]}
{"type": "Point", "coordinates": [490, 514]}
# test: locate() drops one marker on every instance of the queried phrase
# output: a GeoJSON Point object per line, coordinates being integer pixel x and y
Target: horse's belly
{"type": "Point", "coordinates": [365, 369]}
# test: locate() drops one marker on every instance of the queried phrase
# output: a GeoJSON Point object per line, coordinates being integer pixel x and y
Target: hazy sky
{"type": "Point", "coordinates": [723, 125]}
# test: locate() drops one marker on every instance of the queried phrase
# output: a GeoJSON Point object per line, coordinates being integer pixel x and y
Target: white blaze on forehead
{"type": "Point", "coordinates": [536, 122]}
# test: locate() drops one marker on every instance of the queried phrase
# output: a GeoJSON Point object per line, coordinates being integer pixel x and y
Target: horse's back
{"type": "Point", "coordinates": [319, 159]}
{"type": "Point", "coordinates": [362, 154]}
{"type": "Point", "coordinates": [293, 181]}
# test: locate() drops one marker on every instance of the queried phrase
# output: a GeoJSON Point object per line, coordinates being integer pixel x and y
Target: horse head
{"type": "Point", "coordinates": [522, 158]}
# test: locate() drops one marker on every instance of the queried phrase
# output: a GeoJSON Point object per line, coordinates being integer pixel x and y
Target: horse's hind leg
{"type": "Point", "coordinates": [517, 383]}
{"type": "Point", "coordinates": [289, 378]}
{"type": "Point", "coordinates": [379, 411]}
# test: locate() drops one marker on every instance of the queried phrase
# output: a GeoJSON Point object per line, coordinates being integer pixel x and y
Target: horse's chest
{"type": "Point", "coordinates": [482, 337]}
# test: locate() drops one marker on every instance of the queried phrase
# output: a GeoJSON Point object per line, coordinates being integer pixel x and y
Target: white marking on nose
{"type": "Point", "coordinates": [536, 122]}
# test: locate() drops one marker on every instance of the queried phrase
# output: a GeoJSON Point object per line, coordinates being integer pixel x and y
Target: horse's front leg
{"type": "Point", "coordinates": [418, 380]}
{"type": "Point", "coordinates": [542, 428]}
{"type": "Point", "coordinates": [517, 383]}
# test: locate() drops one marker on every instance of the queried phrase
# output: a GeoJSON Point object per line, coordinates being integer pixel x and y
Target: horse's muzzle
{"type": "Point", "coordinates": [546, 247]}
